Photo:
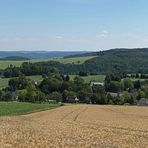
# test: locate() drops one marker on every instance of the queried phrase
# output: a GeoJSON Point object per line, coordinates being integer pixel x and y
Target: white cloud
{"type": "Point", "coordinates": [103, 34]}
{"type": "Point", "coordinates": [133, 35]}
{"type": "Point", "coordinates": [59, 37]}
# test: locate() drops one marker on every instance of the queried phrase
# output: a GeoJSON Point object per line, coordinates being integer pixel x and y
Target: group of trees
{"type": "Point", "coordinates": [127, 91]}
{"type": "Point", "coordinates": [116, 84]}
{"type": "Point", "coordinates": [57, 87]}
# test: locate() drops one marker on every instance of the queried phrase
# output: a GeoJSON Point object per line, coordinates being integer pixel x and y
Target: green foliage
{"type": "Point", "coordinates": [19, 83]}
{"type": "Point", "coordinates": [49, 85]}
{"type": "Point", "coordinates": [7, 96]}
{"type": "Point", "coordinates": [55, 96]}
{"type": "Point", "coordinates": [137, 84]}
{"type": "Point", "coordinates": [12, 71]}
{"type": "Point", "coordinates": [128, 84]}
{"type": "Point", "coordinates": [116, 86]}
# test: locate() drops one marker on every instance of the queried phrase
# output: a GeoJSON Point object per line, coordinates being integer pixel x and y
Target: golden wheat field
{"type": "Point", "coordinates": [77, 126]}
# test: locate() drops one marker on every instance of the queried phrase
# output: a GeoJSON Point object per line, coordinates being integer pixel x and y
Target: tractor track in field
{"type": "Point", "coordinates": [68, 114]}
{"type": "Point", "coordinates": [78, 114]}
{"type": "Point", "coordinates": [77, 126]}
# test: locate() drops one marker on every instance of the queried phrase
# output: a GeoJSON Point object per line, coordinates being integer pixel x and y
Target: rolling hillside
{"type": "Point", "coordinates": [114, 60]}
{"type": "Point", "coordinates": [39, 54]}
{"type": "Point", "coordinates": [14, 58]}
{"type": "Point", "coordinates": [75, 60]}
{"type": "Point", "coordinates": [119, 60]}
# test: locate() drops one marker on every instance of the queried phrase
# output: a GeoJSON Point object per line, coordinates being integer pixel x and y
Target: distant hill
{"type": "Point", "coordinates": [14, 58]}
{"type": "Point", "coordinates": [39, 54]}
{"type": "Point", "coordinates": [116, 51]}
{"type": "Point", "coordinates": [114, 60]}
{"type": "Point", "coordinates": [83, 55]}
{"type": "Point", "coordinates": [119, 60]}
{"type": "Point", "coordinates": [110, 61]}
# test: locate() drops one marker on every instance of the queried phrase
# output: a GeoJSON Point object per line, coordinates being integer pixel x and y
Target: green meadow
{"type": "Point", "coordinates": [19, 108]}
{"type": "Point", "coordinates": [89, 78]}
{"type": "Point", "coordinates": [75, 60]}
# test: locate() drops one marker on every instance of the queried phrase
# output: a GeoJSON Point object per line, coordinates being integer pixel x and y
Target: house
{"type": "Point", "coordinates": [34, 82]}
{"type": "Point", "coordinates": [114, 95]}
{"type": "Point", "coordinates": [142, 102]}
{"type": "Point", "coordinates": [95, 85]}
{"type": "Point", "coordinates": [72, 99]}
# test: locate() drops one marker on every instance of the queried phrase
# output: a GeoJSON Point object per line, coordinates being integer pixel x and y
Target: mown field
{"type": "Point", "coordinates": [17, 108]}
{"type": "Point", "coordinates": [76, 60]}
{"type": "Point", "coordinates": [78, 126]}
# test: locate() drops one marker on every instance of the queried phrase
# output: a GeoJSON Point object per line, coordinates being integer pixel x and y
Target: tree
{"type": "Point", "coordinates": [49, 85]}
{"type": "Point", "coordinates": [128, 84]}
{"type": "Point", "coordinates": [146, 92]}
{"type": "Point", "coordinates": [137, 84]}
{"type": "Point", "coordinates": [22, 95]}
{"type": "Point", "coordinates": [116, 86]}
{"type": "Point", "coordinates": [82, 73]}
{"type": "Point", "coordinates": [141, 94]}
{"type": "Point", "coordinates": [7, 96]}
{"type": "Point", "coordinates": [79, 83]}
{"type": "Point", "coordinates": [19, 83]}
{"type": "Point", "coordinates": [1, 94]}
{"type": "Point", "coordinates": [67, 93]}
{"type": "Point", "coordinates": [56, 96]}
{"type": "Point", "coordinates": [107, 82]}
{"type": "Point", "coordinates": [98, 98]}
{"type": "Point", "coordinates": [128, 98]}
{"type": "Point", "coordinates": [31, 94]}
{"type": "Point", "coordinates": [67, 78]}
{"type": "Point", "coordinates": [85, 94]}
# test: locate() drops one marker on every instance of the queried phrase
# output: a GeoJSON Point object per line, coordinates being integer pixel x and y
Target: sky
{"type": "Point", "coordinates": [73, 25]}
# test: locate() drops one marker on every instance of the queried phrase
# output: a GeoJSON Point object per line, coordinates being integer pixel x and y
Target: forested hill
{"type": "Point", "coordinates": [117, 60]}
{"type": "Point", "coordinates": [14, 58]}
{"type": "Point", "coordinates": [124, 60]}
{"type": "Point", "coordinates": [117, 51]}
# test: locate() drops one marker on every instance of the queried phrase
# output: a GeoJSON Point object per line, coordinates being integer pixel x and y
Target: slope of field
{"type": "Point", "coordinates": [77, 60]}
{"type": "Point", "coordinates": [17, 108]}
{"type": "Point", "coordinates": [78, 126]}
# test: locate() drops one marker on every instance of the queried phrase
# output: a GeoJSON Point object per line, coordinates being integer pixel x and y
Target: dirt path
{"type": "Point", "coordinates": [77, 126]}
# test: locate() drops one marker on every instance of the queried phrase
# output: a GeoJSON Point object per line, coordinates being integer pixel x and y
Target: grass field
{"type": "Point", "coordinates": [90, 78]}
{"type": "Point", "coordinates": [77, 60]}
{"type": "Point", "coordinates": [17, 108]}
{"type": "Point", "coordinates": [78, 126]}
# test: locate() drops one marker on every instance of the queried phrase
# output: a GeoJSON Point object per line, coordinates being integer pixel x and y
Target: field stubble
{"type": "Point", "coordinates": [78, 126]}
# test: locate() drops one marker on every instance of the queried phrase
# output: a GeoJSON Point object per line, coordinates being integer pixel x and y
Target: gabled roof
{"type": "Point", "coordinates": [96, 84]}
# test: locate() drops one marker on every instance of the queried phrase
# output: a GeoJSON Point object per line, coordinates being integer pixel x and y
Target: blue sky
{"type": "Point", "coordinates": [73, 24]}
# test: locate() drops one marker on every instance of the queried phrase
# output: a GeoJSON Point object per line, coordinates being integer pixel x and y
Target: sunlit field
{"type": "Point", "coordinates": [76, 60]}
{"type": "Point", "coordinates": [81, 126]}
